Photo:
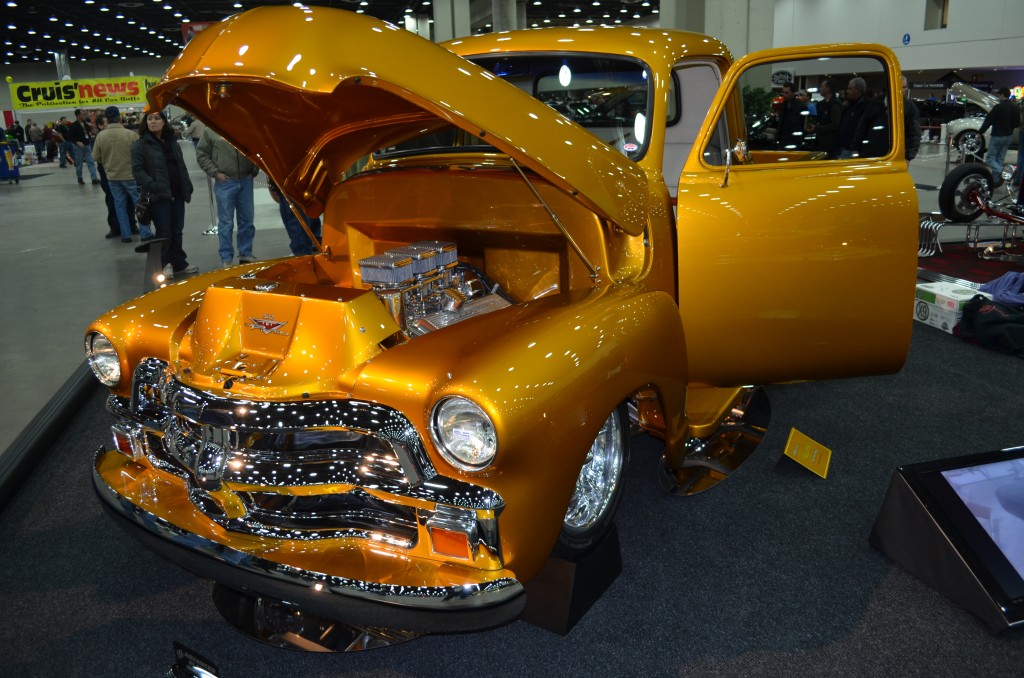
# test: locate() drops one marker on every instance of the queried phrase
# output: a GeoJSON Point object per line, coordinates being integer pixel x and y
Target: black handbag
{"type": "Point", "coordinates": [143, 209]}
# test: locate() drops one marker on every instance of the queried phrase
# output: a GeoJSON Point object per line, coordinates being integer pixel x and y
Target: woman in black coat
{"type": "Point", "coordinates": [159, 170]}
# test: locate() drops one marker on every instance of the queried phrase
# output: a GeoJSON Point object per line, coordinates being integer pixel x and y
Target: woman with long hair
{"type": "Point", "coordinates": [159, 170]}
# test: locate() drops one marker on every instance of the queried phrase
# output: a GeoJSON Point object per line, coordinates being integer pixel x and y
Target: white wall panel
{"type": "Point", "coordinates": [980, 33]}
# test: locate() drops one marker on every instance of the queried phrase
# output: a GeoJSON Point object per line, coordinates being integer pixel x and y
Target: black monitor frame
{"type": "Point", "coordinates": [985, 558]}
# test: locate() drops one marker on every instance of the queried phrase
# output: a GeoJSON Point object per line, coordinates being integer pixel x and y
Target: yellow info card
{"type": "Point", "coordinates": [808, 453]}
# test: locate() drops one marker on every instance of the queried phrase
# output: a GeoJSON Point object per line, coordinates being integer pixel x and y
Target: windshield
{"type": "Point", "coordinates": [607, 95]}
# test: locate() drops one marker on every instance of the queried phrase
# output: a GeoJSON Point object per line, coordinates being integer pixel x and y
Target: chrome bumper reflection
{"type": "Point", "coordinates": [316, 584]}
{"type": "Point", "coordinates": [358, 452]}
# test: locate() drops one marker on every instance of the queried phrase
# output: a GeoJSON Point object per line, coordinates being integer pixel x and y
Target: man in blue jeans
{"type": "Point", "coordinates": [232, 174]}
{"type": "Point", "coordinates": [112, 150]}
{"type": "Point", "coordinates": [298, 239]}
{"type": "Point", "coordinates": [1002, 119]}
{"type": "Point", "coordinates": [79, 135]}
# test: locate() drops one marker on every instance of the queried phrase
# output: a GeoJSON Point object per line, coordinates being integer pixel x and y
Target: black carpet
{"type": "Point", "coordinates": [768, 574]}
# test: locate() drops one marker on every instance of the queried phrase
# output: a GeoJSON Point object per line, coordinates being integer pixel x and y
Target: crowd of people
{"type": "Point", "coordinates": [139, 160]}
{"type": "Point", "coordinates": [855, 126]}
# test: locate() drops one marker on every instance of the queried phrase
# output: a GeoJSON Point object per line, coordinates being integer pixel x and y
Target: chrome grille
{"type": "Point", "coordinates": [266, 450]}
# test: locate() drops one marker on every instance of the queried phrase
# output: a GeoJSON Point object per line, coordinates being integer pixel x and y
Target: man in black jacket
{"type": "Point", "coordinates": [79, 133]}
{"type": "Point", "coordinates": [791, 119]}
{"type": "Point", "coordinates": [826, 121]}
{"type": "Point", "coordinates": [911, 124]}
{"type": "Point", "coordinates": [1002, 119]}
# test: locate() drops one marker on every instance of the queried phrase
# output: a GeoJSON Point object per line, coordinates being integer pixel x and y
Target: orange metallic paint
{"type": "Point", "coordinates": [724, 296]}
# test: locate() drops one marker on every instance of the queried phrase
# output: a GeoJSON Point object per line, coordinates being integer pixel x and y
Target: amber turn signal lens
{"type": "Point", "coordinates": [450, 543]}
{"type": "Point", "coordinates": [123, 443]}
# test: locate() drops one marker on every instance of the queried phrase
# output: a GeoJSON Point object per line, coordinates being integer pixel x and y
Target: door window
{"type": "Point", "coordinates": [820, 109]}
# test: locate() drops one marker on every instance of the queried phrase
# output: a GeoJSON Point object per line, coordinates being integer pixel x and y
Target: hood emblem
{"type": "Point", "coordinates": [267, 324]}
{"type": "Point", "coordinates": [266, 287]}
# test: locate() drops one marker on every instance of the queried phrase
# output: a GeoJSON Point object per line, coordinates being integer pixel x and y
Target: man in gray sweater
{"type": "Point", "coordinates": [232, 175]}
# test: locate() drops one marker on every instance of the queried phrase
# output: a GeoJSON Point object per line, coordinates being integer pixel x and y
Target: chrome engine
{"type": "Point", "coordinates": [426, 288]}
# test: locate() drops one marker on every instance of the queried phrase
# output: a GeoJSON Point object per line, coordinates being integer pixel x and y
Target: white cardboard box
{"type": "Point", "coordinates": [946, 295]}
{"type": "Point", "coordinates": [936, 316]}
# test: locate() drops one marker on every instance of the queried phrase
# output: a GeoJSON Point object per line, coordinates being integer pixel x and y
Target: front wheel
{"type": "Point", "coordinates": [961, 190]}
{"type": "Point", "coordinates": [970, 142]}
{"type": "Point", "coordinates": [598, 488]}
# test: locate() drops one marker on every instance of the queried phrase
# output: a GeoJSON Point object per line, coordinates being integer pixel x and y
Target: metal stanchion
{"type": "Point", "coordinates": [212, 230]}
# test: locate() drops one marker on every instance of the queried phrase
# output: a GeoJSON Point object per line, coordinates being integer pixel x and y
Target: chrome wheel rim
{"type": "Point", "coordinates": [971, 185]}
{"type": "Point", "coordinates": [970, 142]}
{"type": "Point", "coordinates": [599, 478]}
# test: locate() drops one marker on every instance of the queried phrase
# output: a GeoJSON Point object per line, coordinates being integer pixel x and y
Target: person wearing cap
{"type": "Point", "coordinates": [113, 151]}
{"type": "Point", "coordinates": [79, 132]}
{"type": "Point", "coordinates": [160, 172]}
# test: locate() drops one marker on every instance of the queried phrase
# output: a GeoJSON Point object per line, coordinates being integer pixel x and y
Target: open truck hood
{"type": "Point", "coordinates": [982, 100]}
{"type": "Point", "coordinates": [306, 91]}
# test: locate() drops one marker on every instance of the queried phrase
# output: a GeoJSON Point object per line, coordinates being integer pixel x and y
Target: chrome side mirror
{"type": "Point", "coordinates": [739, 151]}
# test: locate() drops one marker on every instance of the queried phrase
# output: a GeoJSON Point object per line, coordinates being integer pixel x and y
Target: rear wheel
{"type": "Point", "coordinates": [962, 188]}
{"type": "Point", "coordinates": [598, 488]}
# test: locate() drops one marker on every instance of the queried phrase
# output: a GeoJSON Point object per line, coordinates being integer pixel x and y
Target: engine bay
{"type": "Point", "coordinates": [425, 287]}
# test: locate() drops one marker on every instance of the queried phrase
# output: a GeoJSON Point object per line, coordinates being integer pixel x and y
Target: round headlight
{"type": "Point", "coordinates": [463, 433]}
{"type": "Point", "coordinates": [103, 358]}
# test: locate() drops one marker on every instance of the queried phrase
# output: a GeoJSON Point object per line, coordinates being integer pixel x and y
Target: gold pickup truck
{"type": "Point", "coordinates": [533, 242]}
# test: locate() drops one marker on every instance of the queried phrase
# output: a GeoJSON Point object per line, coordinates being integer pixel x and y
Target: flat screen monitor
{"type": "Point", "coordinates": [978, 502]}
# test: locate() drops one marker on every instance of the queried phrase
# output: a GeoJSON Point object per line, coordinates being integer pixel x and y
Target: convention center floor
{"type": "Point", "coordinates": [60, 272]}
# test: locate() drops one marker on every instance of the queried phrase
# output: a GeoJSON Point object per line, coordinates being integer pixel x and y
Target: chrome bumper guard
{"type": "Point", "coordinates": [424, 608]}
{"type": "Point", "coordinates": [208, 440]}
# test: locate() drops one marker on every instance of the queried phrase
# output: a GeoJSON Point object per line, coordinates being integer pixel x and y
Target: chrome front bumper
{"type": "Point", "coordinates": [424, 608]}
{"type": "Point", "coordinates": [332, 505]}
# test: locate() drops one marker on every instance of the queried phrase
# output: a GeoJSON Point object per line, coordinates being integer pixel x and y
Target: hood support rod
{"type": "Point", "coordinates": [594, 270]}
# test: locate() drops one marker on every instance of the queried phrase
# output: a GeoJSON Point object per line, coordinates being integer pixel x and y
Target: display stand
{"type": "Point", "coordinates": [562, 592]}
{"type": "Point", "coordinates": [281, 624]}
{"type": "Point", "coordinates": [913, 528]}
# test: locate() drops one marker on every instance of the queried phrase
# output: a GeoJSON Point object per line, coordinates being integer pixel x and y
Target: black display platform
{"type": "Point", "coordinates": [939, 537]}
{"type": "Point", "coordinates": [768, 574]}
{"type": "Point", "coordinates": [564, 590]}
